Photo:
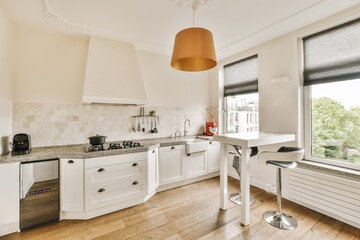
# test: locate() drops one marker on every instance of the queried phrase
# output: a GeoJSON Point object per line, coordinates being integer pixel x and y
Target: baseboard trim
{"type": "Point", "coordinates": [105, 210]}
{"type": "Point", "coordinates": [187, 181]}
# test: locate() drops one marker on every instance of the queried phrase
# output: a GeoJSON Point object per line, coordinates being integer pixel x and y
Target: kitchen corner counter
{"type": "Point", "coordinates": [78, 151]}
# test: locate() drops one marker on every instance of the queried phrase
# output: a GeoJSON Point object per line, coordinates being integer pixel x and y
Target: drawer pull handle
{"type": "Point", "coordinates": [135, 164]}
{"type": "Point", "coordinates": [101, 170]}
{"type": "Point", "coordinates": [188, 154]}
{"type": "Point", "coordinates": [135, 183]}
{"type": "Point", "coordinates": [210, 142]}
{"type": "Point", "coordinates": [101, 190]}
{"type": "Point", "coordinates": [173, 147]}
{"type": "Point", "coordinates": [153, 151]}
{"type": "Point", "coordinates": [70, 161]}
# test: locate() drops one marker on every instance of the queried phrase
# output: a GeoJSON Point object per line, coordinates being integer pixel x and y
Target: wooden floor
{"type": "Point", "coordinates": [192, 212]}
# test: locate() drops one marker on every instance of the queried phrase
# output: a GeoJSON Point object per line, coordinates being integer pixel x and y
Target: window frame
{"type": "Point", "coordinates": [307, 103]}
{"type": "Point", "coordinates": [222, 102]}
{"type": "Point", "coordinates": [308, 136]}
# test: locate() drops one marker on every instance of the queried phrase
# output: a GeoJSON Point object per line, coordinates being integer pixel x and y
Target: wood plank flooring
{"type": "Point", "coordinates": [192, 212]}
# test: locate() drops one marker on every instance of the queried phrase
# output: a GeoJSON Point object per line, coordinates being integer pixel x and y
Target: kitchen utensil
{"type": "Point", "coordinates": [134, 125]}
{"type": "Point", "coordinates": [143, 129]}
{"type": "Point", "coordinates": [97, 140]}
{"type": "Point", "coordinates": [155, 129]}
{"type": "Point", "coordinates": [139, 127]}
{"type": "Point", "coordinates": [151, 129]}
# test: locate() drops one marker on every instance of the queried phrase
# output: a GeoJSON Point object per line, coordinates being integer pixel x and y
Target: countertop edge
{"type": "Point", "coordinates": [78, 151]}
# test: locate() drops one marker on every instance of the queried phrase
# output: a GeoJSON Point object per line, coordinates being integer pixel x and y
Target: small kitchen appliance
{"type": "Point", "coordinates": [21, 144]}
{"type": "Point", "coordinates": [210, 128]}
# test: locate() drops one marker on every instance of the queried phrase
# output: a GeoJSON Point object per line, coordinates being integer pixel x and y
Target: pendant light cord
{"type": "Point", "coordinates": [193, 17]}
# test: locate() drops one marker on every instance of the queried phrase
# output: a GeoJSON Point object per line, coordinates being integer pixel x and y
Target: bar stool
{"type": "Point", "coordinates": [236, 197]}
{"type": "Point", "coordinates": [284, 158]}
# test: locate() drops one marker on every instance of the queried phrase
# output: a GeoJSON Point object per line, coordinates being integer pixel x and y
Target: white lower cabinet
{"type": "Point", "coordinates": [71, 185]}
{"type": "Point", "coordinates": [196, 164]}
{"type": "Point", "coordinates": [153, 170]}
{"type": "Point", "coordinates": [171, 164]}
{"type": "Point", "coordinates": [94, 183]}
{"type": "Point", "coordinates": [115, 179]}
{"type": "Point", "coordinates": [213, 157]}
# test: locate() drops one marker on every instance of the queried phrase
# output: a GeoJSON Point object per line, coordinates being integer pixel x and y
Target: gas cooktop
{"type": "Point", "coordinates": [112, 146]}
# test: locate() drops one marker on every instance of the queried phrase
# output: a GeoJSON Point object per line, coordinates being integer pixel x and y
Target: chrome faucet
{"type": "Point", "coordinates": [176, 134]}
{"type": "Point", "coordinates": [185, 130]}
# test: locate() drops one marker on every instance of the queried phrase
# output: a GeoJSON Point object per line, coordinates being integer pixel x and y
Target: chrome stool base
{"type": "Point", "coordinates": [280, 220]}
{"type": "Point", "coordinates": [236, 198]}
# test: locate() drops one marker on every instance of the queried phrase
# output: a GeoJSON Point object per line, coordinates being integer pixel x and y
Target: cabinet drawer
{"type": "Point", "coordinates": [97, 177]}
{"type": "Point", "coordinates": [116, 159]}
{"type": "Point", "coordinates": [114, 193]}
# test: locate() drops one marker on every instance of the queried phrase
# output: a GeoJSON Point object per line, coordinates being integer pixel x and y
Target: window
{"type": "Point", "coordinates": [332, 95]}
{"type": "Point", "coordinates": [241, 95]}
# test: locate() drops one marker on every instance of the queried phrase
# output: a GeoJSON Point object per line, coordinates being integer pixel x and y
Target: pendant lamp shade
{"type": "Point", "coordinates": [193, 50]}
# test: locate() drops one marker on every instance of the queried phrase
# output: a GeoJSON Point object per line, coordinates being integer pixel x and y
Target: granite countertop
{"type": "Point", "coordinates": [78, 151]}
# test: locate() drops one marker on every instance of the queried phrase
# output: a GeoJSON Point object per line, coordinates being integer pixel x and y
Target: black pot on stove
{"type": "Point", "coordinates": [97, 140]}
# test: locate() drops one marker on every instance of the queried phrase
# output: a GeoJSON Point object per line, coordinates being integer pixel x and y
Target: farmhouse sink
{"type": "Point", "coordinates": [196, 145]}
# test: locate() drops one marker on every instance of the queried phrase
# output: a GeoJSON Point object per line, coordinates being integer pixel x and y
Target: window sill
{"type": "Point", "coordinates": [330, 169]}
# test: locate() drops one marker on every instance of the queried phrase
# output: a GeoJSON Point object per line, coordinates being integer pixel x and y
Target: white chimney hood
{"type": "Point", "coordinates": [112, 74]}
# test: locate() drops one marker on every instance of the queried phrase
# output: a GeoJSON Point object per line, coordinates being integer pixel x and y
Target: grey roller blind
{"type": "Point", "coordinates": [241, 77]}
{"type": "Point", "coordinates": [333, 55]}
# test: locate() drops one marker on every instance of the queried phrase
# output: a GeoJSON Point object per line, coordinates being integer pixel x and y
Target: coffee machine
{"type": "Point", "coordinates": [210, 128]}
{"type": "Point", "coordinates": [21, 144]}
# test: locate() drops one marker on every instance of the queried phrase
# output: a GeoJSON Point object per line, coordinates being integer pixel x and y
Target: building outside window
{"type": "Point", "coordinates": [241, 110]}
{"type": "Point", "coordinates": [332, 95]}
{"type": "Point", "coordinates": [241, 96]}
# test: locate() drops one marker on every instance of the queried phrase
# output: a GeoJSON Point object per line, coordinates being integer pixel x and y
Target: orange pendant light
{"type": "Point", "coordinates": [194, 50]}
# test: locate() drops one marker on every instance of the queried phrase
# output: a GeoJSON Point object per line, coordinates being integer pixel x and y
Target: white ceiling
{"type": "Point", "coordinates": [151, 25]}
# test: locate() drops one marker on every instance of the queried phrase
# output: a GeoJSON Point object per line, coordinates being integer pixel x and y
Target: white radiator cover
{"type": "Point", "coordinates": [333, 196]}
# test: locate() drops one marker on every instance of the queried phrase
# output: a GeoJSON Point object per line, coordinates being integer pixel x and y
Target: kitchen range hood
{"type": "Point", "coordinates": [112, 74]}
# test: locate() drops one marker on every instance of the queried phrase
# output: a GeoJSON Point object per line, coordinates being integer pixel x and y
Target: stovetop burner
{"type": "Point", "coordinates": [114, 146]}
{"type": "Point", "coordinates": [96, 148]}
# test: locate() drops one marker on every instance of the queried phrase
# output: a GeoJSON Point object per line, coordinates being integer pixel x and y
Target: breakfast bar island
{"type": "Point", "coordinates": [245, 141]}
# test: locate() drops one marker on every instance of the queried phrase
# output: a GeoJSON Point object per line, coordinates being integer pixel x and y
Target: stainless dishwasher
{"type": "Point", "coordinates": [39, 193]}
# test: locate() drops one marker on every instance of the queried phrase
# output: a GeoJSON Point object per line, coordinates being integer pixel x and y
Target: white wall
{"type": "Point", "coordinates": [166, 86]}
{"type": "Point", "coordinates": [6, 75]}
{"type": "Point", "coordinates": [50, 68]}
{"type": "Point", "coordinates": [49, 86]}
{"type": "Point", "coordinates": [280, 104]}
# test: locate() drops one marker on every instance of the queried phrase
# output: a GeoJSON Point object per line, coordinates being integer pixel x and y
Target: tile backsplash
{"type": "Point", "coordinates": [62, 124]}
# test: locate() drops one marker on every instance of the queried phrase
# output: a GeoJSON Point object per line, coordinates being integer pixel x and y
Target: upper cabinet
{"type": "Point", "coordinates": [112, 74]}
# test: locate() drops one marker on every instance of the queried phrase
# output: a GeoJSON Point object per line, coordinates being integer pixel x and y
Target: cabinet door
{"type": "Point", "coordinates": [153, 170]}
{"type": "Point", "coordinates": [213, 157]}
{"type": "Point", "coordinates": [71, 184]}
{"type": "Point", "coordinates": [196, 164]}
{"type": "Point", "coordinates": [9, 198]}
{"type": "Point", "coordinates": [172, 167]}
